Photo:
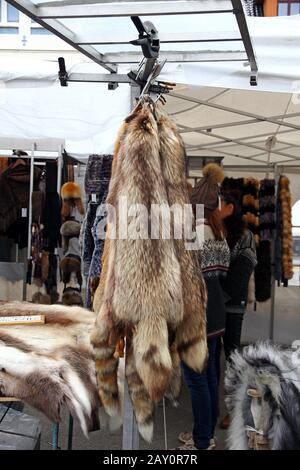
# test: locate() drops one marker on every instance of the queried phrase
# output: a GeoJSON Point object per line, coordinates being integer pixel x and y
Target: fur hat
{"type": "Point", "coordinates": [71, 263]}
{"type": "Point", "coordinates": [39, 298]}
{"type": "Point", "coordinates": [69, 229]}
{"type": "Point", "coordinates": [207, 190]}
{"type": "Point", "coordinates": [71, 197]}
{"type": "Point", "coordinates": [72, 296]}
{"type": "Point", "coordinates": [70, 190]}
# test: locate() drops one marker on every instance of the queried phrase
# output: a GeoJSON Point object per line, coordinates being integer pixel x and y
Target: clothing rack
{"type": "Point", "coordinates": [55, 148]}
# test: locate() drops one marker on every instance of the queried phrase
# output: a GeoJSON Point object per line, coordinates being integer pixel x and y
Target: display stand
{"type": "Point", "coordinates": [41, 149]}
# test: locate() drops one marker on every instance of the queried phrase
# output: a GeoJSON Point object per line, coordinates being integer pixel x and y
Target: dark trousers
{"type": "Point", "coordinates": [205, 398]}
{"type": "Point", "coordinates": [231, 339]}
{"type": "Point", "coordinates": [233, 332]}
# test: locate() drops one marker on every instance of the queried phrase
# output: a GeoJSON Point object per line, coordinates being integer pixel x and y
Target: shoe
{"type": "Point", "coordinates": [193, 447]}
{"type": "Point", "coordinates": [187, 438]}
{"type": "Point", "coordinates": [225, 423]}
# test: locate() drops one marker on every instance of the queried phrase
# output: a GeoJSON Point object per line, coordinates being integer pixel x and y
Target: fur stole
{"type": "Point", "coordinates": [50, 365]}
{"type": "Point", "coordinates": [158, 318]}
{"type": "Point", "coordinates": [274, 373]}
{"type": "Point", "coordinates": [287, 237]}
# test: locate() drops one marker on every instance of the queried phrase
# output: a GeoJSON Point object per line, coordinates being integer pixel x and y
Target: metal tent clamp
{"type": "Point", "coordinates": [147, 72]}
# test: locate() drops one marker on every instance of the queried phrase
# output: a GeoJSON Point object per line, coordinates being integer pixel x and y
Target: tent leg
{"type": "Point", "coordinates": [29, 215]}
{"type": "Point", "coordinates": [130, 429]}
{"type": "Point", "coordinates": [273, 286]}
{"type": "Point", "coordinates": [272, 313]}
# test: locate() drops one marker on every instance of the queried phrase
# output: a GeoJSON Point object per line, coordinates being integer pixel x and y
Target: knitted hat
{"type": "Point", "coordinates": [207, 190]}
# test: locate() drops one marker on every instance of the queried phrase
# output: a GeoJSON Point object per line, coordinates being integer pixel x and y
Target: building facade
{"type": "Point", "coordinates": [18, 33]}
{"type": "Point", "coordinates": [272, 7]}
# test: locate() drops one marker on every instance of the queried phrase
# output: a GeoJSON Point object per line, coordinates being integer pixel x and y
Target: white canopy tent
{"type": "Point", "coordinates": [219, 113]}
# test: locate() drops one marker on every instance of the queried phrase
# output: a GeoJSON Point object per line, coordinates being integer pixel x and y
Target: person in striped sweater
{"type": "Point", "coordinates": [214, 258]}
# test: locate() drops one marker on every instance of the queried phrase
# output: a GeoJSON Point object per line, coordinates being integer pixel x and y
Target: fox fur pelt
{"type": "Point", "coordinates": [275, 373]}
{"type": "Point", "coordinates": [287, 237]}
{"type": "Point", "coordinates": [151, 289]}
{"type": "Point", "coordinates": [52, 364]}
{"type": "Point", "coordinates": [191, 333]}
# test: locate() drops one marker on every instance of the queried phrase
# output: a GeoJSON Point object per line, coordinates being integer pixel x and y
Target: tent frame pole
{"type": "Point", "coordinates": [273, 254]}
{"type": "Point", "coordinates": [29, 222]}
{"type": "Point", "coordinates": [130, 428]}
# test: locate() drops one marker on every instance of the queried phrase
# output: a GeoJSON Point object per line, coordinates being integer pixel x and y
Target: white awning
{"type": "Point", "coordinates": [218, 112]}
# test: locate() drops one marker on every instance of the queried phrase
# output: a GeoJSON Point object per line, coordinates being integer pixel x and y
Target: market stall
{"type": "Point", "coordinates": [223, 109]}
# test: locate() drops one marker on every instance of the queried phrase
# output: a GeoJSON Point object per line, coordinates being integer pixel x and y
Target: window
{"type": "Point", "coordinates": [39, 31]}
{"type": "Point", "coordinates": [8, 30]}
{"type": "Point", "coordinates": [288, 7]}
{"type": "Point", "coordinates": [9, 19]}
{"type": "Point", "coordinates": [12, 14]}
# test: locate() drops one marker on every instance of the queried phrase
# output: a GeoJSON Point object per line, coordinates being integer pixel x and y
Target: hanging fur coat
{"type": "Point", "coordinates": [51, 365]}
{"type": "Point", "coordinates": [151, 290]}
{"type": "Point", "coordinates": [274, 372]}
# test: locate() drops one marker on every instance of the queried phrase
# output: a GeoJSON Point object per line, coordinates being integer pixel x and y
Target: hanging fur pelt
{"type": "Point", "coordinates": [147, 268]}
{"type": "Point", "coordinates": [275, 373]}
{"type": "Point", "coordinates": [51, 365]}
{"type": "Point", "coordinates": [191, 333]}
{"type": "Point", "coordinates": [107, 362]}
{"type": "Point", "coordinates": [106, 337]}
{"type": "Point", "coordinates": [160, 316]}
{"type": "Point", "coordinates": [287, 237]}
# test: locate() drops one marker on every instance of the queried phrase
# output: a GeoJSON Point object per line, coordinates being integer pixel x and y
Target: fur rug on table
{"type": "Point", "coordinates": [275, 373]}
{"type": "Point", "coordinates": [50, 365]}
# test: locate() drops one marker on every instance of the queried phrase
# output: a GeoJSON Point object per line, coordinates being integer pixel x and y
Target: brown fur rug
{"type": "Point", "coordinates": [51, 365]}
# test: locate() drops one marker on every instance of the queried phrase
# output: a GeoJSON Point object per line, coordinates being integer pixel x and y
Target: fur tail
{"type": "Point", "coordinates": [142, 404]}
{"type": "Point", "coordinates": [173, 391]}
{"type": "Point", "coordinates": [79, 206]}
{"type": "Point", "coordinates": [106, 365]}
{"type": "Point", "coordinates": [194, 355]}
{"type": "Point", "coordinates": [152, 355]}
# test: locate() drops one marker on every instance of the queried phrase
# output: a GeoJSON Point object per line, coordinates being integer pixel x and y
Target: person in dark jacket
{"type": "Point", "coordinates": [242, 264]}
{"type": "Point", "coordinates": [214, 257]}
